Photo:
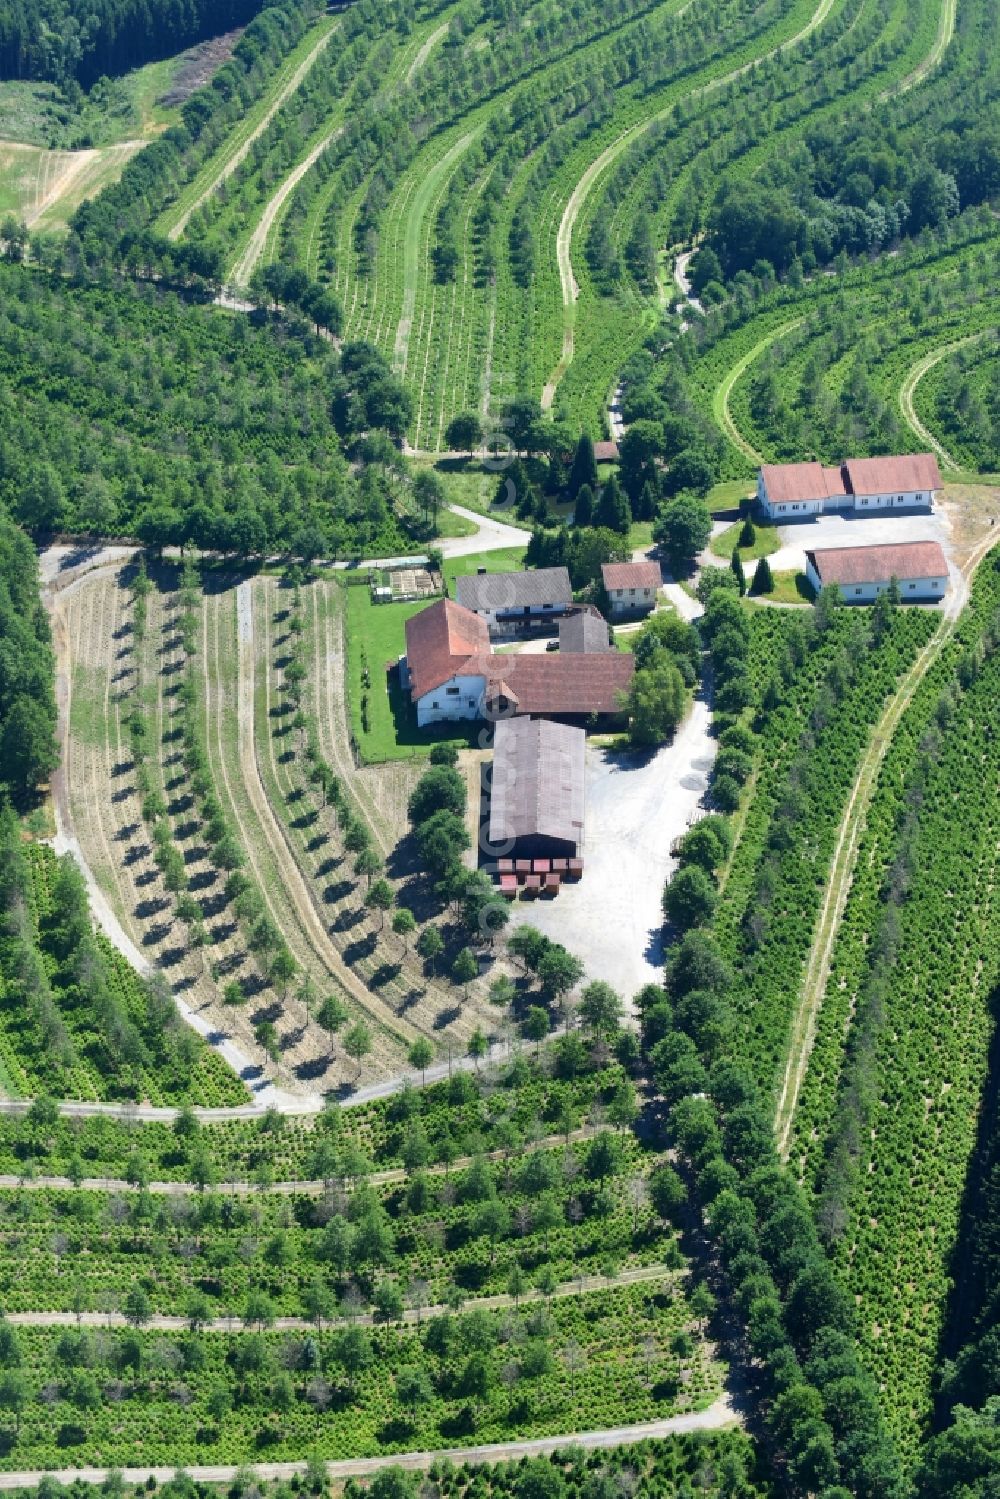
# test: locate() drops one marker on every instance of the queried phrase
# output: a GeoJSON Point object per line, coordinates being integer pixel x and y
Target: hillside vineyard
{"type": "Point", "coordinates": [499, 773]}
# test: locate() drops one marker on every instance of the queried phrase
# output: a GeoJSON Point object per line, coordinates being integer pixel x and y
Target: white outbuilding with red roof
{"type": "Point", "coordinates": [795, 491]}
{"type": "Point", "coordinates": [862, 573]}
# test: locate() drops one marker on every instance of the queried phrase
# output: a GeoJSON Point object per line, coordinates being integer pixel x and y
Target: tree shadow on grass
{"type": "Point", "coordinates": [364, 947]}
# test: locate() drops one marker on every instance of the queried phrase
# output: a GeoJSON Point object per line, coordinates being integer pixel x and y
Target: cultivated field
{"type": "Point", "coordinates": [288, 837]}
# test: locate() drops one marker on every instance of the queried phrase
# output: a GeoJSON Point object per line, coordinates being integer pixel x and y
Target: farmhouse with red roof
{"type": "Point", "coordinates": [451, 673]}
{"type": "Point", "coordinates": [795, 491]}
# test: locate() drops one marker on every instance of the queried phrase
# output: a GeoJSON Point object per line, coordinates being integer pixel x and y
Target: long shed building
{"type": "Point", "coordinates": [863, 486]}
{"type": "Point", "coordinates": [862, 573]}
{"type": "Point", "coordinates": [537, 789]}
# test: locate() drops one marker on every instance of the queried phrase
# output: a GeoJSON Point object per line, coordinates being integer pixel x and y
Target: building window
{"type": "Point", "coordinates": [795, 507]}
{"type": "Point", "coordinates": [631, 593]}
{"type": "Point", "coordinates": [452, 691]}
{"type": "Point", "coordinates": [857, 590]}
{"type": "Point", "coordinates": [435, 705]}
{"type": "Point", "coordinates": [912, 586]}
{"type": "Point", "coordinates": [864, 502]}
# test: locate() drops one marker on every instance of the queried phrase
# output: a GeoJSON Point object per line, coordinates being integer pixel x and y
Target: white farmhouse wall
{"type": "Point", "coordinates": [910, 589]}
{"type": "Point", "coordinates": [631, 600]}
{"type": "Point", "coordinates": [796, 509]}
{"type": "Point", "coordinates": [461, 697]}
{"type": "Point", "coordinates": [920, 499]}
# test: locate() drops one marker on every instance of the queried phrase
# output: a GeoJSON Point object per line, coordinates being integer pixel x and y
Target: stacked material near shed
{"type": "Point", "coordinates": [537, 789]}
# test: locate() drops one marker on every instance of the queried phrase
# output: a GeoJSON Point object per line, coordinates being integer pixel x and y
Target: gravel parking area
{"type": "Point", "coordinates": [636, 806]}
{"type": "Point", "coordinates": [856, 531]}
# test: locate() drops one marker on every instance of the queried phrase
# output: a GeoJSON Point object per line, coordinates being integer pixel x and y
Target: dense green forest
{"type": "Point", "coordinates": [60, 40]}
{"type": "Point", "coordinates": [27, 701]}
{"type": "Point", "coordinates": [182, 423]}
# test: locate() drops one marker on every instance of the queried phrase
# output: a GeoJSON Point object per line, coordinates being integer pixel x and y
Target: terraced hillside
{"type": "Point", "coordinates": [511, 240]}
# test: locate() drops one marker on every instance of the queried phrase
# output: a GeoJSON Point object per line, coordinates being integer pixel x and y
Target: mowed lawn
{"type": "Point", "coordinates": [376, 638]}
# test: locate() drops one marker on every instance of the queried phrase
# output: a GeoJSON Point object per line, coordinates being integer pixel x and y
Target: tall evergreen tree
{"type": "Point", "coordinates": [584, 512]}
{"type": "Point", "coordinates": [613, 509]}
{"type": "Point", "coordinates": [584, 467]}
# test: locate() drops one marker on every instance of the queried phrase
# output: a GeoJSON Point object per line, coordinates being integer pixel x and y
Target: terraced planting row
{"type": "Point", "coordinates": [241, 213]}
{"type": "Point", "coordinates": [233, 145]}
{"type": "Point", "coordinates": [97, 618]}
{"type": "Point", "coordinates": [816, 726]}
{"type": "Point", "coordinates": [836, 376]}
{"type": "Point", "coordinates": [401, 994]}
{"type": "Point", "coordinates": [654, 192]}
{"type": "Point", "coordinates": [957, 400]}
{"type": "Point", "coordinates": [488, 1230]}
{"type": "Point", "coordinates": [886, 1118]}
{"type": "Point", "coordinates": [503, 1110]}
{"type": "Point", "coordinates": [726, 346]}
{"type": "Point", "coordinates": [210, 1397]}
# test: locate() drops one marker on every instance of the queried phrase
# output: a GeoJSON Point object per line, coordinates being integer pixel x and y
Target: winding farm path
{"type": "Point", "coordinates": [721, 1413]}
{"type": "Point", "coordinates": [720, 401]}
{"type": "Point", "coordinates": [845, 856]}
{"type": "Point", "coordinates": [906, 392]}
{"type": "Point", "coordinates": [596, 169]}
{"type": "Point", "coordinates": [243, 267]}
{"type": "Point", "coordinates": [946, 30]}
{"type": "Point", "coordinates": [425, 51]}
{"type": "Point", "coordinates": [242, 140]}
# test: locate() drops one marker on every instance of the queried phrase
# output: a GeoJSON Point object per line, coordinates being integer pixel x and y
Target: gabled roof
{"type": "Point", "coordinates": [605, 452]}
{"type": "Point", "coordinates": [568, 684]}
{"type": "Point", "coordinates": [901, 559]}
{"type": "Point", "coordinates": [631, 575]}
{"type": "Point", "coordinates": [794, 481]}
{"type": "Point", "coordinates": [491, 591]}
{"type": "Point", "coordinates": [907, 474]}
{"type": "Point", "coordinates": [584, 632]}
{"type": "Point", "coordinates": [439, 642]}
{"type": "Point", "coordinates": [538, 780]}
{"type": "Point", "coordinates": [445, 641]}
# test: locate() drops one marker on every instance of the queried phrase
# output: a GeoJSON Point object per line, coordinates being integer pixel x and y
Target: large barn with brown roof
{"type": "Point", "coordinates": [536, 789]}
{"type": "Point", "coordinates": [451, 673]}
{"type": "Point", "coordinates": [862, 573]}
{"type": "Point", "coordinates": [794, 491]}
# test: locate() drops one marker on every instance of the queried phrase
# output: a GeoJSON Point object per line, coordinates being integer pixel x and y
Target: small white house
{"type": "Point", "coordinates": [631, 587]}
{"type": "Point", "coordinates": [862, 573]}
{"type": "Point", "coordinates": [796, 491]}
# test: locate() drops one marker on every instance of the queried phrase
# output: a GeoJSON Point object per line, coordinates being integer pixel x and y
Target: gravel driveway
{"type": "Point", "coordinates": [636, 806]}
{"type": "Point", "coordinates": [855, 531]}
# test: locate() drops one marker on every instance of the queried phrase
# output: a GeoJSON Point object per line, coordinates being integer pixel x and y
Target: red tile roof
{"type": "Point", "coordinates": [901, 559]}
{"type": "Point", "coordinates": [907, 474]}
{"type": "Point", "coordinates": [439, 642]}
{"type": "Point", "coordinates": [794, 481]}
{"type": "Point", "coordinates": [631, 575]}
{"type": "Point", "coordinates": [445, 640]}
{"type": "Point", "coordinates": [606, 452]}
{"type": "Point", "coordinates": [557, 684]}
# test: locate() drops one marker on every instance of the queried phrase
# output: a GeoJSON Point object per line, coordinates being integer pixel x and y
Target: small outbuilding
{"type": "Point", "coordinates": [631, 587]}
{"type": "Point", "coordinates": [862, 573]}
{"type": "Point", "coordinates": [537, 789]}
{"type": "Point", "coordinates": [584, 632]}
